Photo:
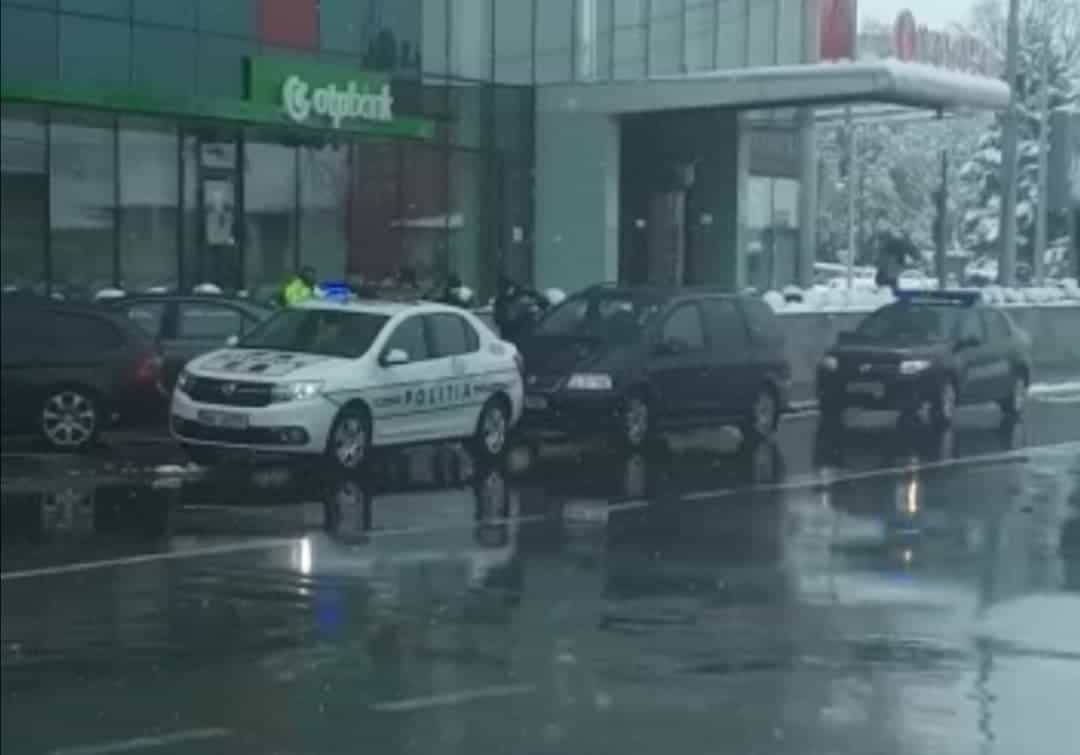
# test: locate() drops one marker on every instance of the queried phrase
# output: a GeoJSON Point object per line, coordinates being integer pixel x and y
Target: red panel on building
{"type": "Point", "coordinates": [291, 23]}
{"type": "Point", "coordinates": [839, 21]}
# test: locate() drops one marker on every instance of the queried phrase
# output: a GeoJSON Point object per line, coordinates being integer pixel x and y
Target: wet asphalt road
{"type": "Point", "coordinates": [866, 593]}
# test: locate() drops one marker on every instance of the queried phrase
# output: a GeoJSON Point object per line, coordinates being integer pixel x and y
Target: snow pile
{"type": "Point", "coordinates": [864, 299]}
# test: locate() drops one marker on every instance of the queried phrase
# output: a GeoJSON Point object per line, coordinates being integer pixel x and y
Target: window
{"type": "Point", "coordinates": [82, 217]}
{"type": "Point", "coordinates": [683, 327]}
{"type": "Point", "coordinates": [513, 41]}
{"type": "Point", "coordinates": [343, 334]}
{"type": "Point", "coordinates": [411, 338]}
{"type": "Point", "coordinates": [149, 207]}
{"type": "Point", "coordinates": [28, 42]}
{"type": "Point", "coordinates": [165, 60]}
{"type": "Point", "coordinates": [630, 39]}
{"type": "Point", "coordinates": [727, 329]}
{"type": "Point", "coordinates": [270, 204]}
{"type": "Point", "coordinates": [95, 50]}
{"type": "Point", "coordinates": [324, 196]}
{"type": "Point", "coordinates": [761, 322]}
{"type": "Point", "coordinates": [970, 327]}
{"type": "Point", "coordinates": [83, 333]}
{"type": "Point", "coordinates": [554, 40]}
{"type": "Point", "coordinates": [452, 335]}
{"type": "Point", "coordinates": [24, 197]}
{"type": "Point", "coordinates": [665, 37]}
{"type": "Point", "coordinates": [208, 322]}
{"type": "Point", "coordinates": [148, 315]}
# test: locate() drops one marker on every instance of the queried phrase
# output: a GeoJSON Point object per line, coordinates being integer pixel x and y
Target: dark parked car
{"type": "Point", "coordinates": [71, 370]}
{"type": "Point", "coordinates": [188, 326]}
{"type": "Point", "coordinates": [928, 350]}
{"type": "Point", "coordinates": [631, 362]}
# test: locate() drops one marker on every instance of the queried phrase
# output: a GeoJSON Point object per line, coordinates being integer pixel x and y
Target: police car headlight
{"type": "Point", "coordinates": [589, 382]}
{"type": "Point", "coordinates": [830, 363]}
{"type": "Point", "coordinates": [914, 366]}
{"type": "Point", "coordinates": [183, 381]}
{"type": "Point", "coordinates": [298, 391]}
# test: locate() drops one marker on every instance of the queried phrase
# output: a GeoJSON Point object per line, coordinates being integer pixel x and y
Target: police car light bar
{"type": "Point", "coordinates": [959, 298]}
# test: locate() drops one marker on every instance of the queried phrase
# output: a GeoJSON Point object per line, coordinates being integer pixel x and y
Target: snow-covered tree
{"type": "Point", "coordinates": [1048, 28]}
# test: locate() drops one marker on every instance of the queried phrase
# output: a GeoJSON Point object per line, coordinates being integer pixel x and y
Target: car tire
{"type": "Point", "coordinates": [943, 406]}
{"type": "Point", "coordinates": [492, 435]}
{"type": "Point", "coordinates": [70, 419]}
{"type": "Point", "coordinates": [764, 415]}
{"type": "Point", "coordinates": [1012, 406]}
{"type": "Point", "coordinates": [635, 422]}
{"type": "Point", "coordinates": [348, 445]}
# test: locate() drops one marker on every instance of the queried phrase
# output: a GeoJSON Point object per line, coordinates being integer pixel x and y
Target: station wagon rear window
{"type": "Point", "coordinates": [315, 331]}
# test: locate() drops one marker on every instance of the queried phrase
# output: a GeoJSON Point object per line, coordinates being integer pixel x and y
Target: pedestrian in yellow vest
{"type": "Point", "coordinates": [300, 288]}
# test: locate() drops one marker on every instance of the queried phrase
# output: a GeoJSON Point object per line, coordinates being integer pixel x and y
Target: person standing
{"type": "Point", "coordinates": [300, 288]}
{"type": "Point", "coordinates": [893, 257]}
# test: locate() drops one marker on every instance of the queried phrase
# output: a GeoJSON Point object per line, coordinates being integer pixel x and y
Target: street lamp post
{"type": "Point", "coordinates": [1007, 231]}
{"type": "Point", "coordinates": [1043, 207]}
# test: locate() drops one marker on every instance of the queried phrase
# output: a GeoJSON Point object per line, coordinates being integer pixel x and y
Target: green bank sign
{"type": "Point", "coordinates": [313, 94]}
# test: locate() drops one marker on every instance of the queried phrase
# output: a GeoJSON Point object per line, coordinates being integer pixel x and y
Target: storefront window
{"type": "Point", "coordinates": [324, 193]}
{"type": "Point", "coordinates": [665, 37]}
{"type": "Point", "coordinates": [374, 197]}
{"type": "Point", "coordinates": [82, 186]}
{"type": "Point", "coordinates": [470, 219]}
{"type": "Point", "coordinates": [149, 206]}
{"type": "Point", "coordinates": [424, 221]}
{"type": "Point", "coordinates": [24, 198]}
{"type": "Point", "coordinates": [270, 203]}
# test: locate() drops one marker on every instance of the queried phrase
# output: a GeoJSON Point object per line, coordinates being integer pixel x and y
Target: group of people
{"type": "Point", "coordinates": [515, 305]}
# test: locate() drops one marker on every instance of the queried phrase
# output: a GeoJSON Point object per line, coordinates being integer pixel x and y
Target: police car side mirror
{"type": "Point", "coordinates": [395, 357]}
{"type": "Point", "coordinates": [232, 340]}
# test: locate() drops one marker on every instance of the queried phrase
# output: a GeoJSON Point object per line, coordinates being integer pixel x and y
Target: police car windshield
{"type": "Point", "coordinates": [315, 331]}
{"type": "Point", "coordinates": [615, 317]}
{"type": "Point", "coordinates": [909, 323]}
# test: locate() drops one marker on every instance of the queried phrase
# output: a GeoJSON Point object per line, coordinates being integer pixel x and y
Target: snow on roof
{"type": "Point", "coordinates": [890, 81]}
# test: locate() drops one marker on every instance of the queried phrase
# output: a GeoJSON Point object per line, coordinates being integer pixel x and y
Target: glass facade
{"type": "Point", "coordinates": [97, 196]}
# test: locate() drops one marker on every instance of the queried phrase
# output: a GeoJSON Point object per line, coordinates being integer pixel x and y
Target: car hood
{"type": "Point", "coordinates": [885, 352]}
{"type": "Point", "coordinates": [262, 364]}
{"type": "Point", "coordinates": [555, 355]}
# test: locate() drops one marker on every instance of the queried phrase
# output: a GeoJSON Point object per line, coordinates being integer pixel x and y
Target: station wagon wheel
{"type": "Point", "coordinates": [350, 439]}
{"type": "Point", "coordinates": [70, 419]}
{"type": "Point", "coordinates": [1013, 404]}
{"type": "Point", "coordinates": [636, 418]}
{"type": "Point", "coordinates": [943, 408]}
{"type": "Point", "coordinates": [764, 415]}
{"type": "Point", "coordinates": [492, 429]}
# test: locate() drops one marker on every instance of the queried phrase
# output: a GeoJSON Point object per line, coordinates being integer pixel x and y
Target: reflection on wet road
{"type": "Point", "coordinates": [861, 592]}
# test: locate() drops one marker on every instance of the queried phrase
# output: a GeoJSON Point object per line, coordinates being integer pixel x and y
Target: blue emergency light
{"type": "Point", "coordinates": [957, 298]}
{"type": "Point", "coordinates": [334, 291]}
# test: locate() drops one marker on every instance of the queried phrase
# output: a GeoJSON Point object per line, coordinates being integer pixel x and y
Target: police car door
{"type": "Point", "coordinates": [405, 406]}
{"type": "Point", "coordinates": [457, 346]}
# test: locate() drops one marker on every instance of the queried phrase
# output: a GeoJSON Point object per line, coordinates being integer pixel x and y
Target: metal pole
{"type": "Point", "coordinates": [1007, 235]}
{"type": "Point", "coordinates": [852, 160]}
{"type": "Point", "coordinates": [1043, 206]}
{"type": "Point", "coordinates": [942, 221]}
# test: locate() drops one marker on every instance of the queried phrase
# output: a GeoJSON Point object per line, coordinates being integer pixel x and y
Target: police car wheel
{"type": "Point", "coordinates": [350, 438]}
{"type": "Point", "coordinates": [492, 429]}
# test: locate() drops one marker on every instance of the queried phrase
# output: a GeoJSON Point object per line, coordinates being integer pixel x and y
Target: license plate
{"type": "Point", "coordinates": [225, 420]}
{"type": "Point", "coordinates": [536, 403]}
{"type": "Point", "coordinates": [877, 390]}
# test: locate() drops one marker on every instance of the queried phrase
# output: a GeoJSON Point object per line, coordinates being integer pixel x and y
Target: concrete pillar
{"type": "Point", "coordinates": [808, 166]}
{"type": "Point", "coordinates": [577, 200]}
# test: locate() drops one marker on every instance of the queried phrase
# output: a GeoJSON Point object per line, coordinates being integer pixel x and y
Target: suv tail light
{"type": "Point", "coordinates": [148, 369]}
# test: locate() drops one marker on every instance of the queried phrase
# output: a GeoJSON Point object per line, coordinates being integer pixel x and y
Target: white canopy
{"type": "Point", "coordinates": [885, 81]}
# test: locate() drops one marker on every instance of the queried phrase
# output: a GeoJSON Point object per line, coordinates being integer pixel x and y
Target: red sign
{"type": "Point", "coordinates": [838, 29]}
{"type": "Point", "coordinates": [905, 36]}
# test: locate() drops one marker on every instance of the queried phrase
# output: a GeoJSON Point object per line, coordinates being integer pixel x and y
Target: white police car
{"type": "Point", "coordinates": [336, 379]}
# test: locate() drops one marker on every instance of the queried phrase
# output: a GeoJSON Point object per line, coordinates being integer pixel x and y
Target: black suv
{"type": "Point", "coordinates": [69, 370]}
{"type": "Point", "coordinates": [633, 361]}
{"type": "Point", "coordinates": [934, 350]}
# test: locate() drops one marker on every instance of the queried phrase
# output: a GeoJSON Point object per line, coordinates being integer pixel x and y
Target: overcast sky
{"type": "Point", "coordinates": [936, 14]}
